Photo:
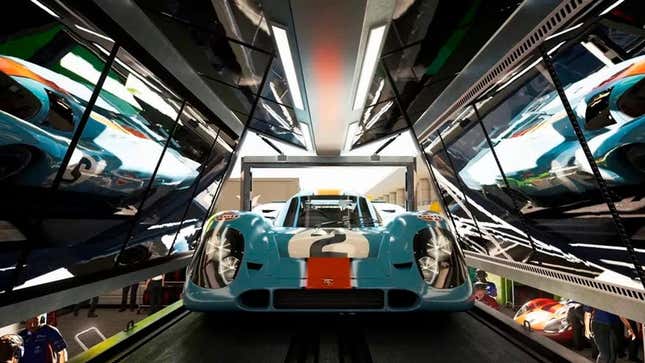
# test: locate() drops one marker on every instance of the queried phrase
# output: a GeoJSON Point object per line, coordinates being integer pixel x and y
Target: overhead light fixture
{"type": "Point", "coordinates": [368, 67]}
{"type": "Point", "coordinates": [48, 10]}
{"type": "Point", "coordinates": [564, 31]}
{"type": "Point", "coordinates": [89, 31]}
{"type": "Point", "coordinates": [612, 7]}
{"type": "Point", "coordinates": [282, 41]}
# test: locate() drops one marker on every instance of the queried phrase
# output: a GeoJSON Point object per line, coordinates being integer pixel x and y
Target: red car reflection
{"type": "Point", "coordinates": [548, 317]}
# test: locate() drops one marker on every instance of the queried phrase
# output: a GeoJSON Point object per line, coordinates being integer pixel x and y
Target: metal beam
{"type": "Point", "coordinates": [13, 313]}
{"type": "Point", "coordinates": [622, 300]}
{"type": "Point", "coordinates": [284, 161]}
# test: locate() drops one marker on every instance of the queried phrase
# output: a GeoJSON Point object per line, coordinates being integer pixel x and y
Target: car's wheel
{"type": "Point", "coordinates": [14, 159]}
{"type": "Point", "coordinates": [635, 155]}
{"type": "Point", "coordinates": [133, 256]}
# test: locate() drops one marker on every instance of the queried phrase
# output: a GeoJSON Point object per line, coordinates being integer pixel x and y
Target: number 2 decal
{"type": "Point", "coordinates": [316, 249]}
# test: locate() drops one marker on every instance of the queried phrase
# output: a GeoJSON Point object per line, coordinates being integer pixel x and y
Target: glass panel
{"type": "Point", "coordinates": [208, 49]}
{"type": "Point", "coordinates": [439, 40]}
{"type": "Point", "coordinates": [549, 178]}
{"type": "Point", "coordinates": [467, 229]}
{"type": "Point", "coordinates": [380, 89]}
{"type": "Point", "coordinates": [487, 204]}
{"type": "Point", "coordinates": [278, 121]}
{"type": "Point", "coordinates": [243, 21]}
{"type": "Point", "coordinates": [47, 75]}
{"type": "Point", "coordinates": [609, 101]}
{"type": "Point", "coordinates": [381, 120]}
{"type": "Point", "coordinates": [173, 188]}
{"type": "Point", "coordinates": [109, 171]}
{"type": "Point", "coordinates": [214, 170]}
{"type": "Point", "coordinates": [276, 88]}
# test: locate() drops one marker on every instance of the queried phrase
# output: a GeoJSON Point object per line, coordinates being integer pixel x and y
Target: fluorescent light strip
{"type": "Point", "coordinates": [564, 31]}
{"type": "Point", "coordinates": [282, 41]}
{"type": "Point", "coordinates": [620, 263]}
{"type": "Point", "coordinates": [349, 136]}
{"type": "Point", "coordinates": [369, 65]}
{"type": "Point", "coordinates": [48, 10]}
{"type": "Point", "coordinates": [605, 247]}
{"type": "Point", "coordinates": [89, 31]}
{"type": "Point", "coordinates": [610, 8]}
{"type": "Point", "coordinates": [597, 53]}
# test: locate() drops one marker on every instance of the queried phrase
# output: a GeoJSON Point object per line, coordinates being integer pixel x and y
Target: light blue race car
{"type": "Point", "coordinates": [327, 253]}
{"type": "Point", "coordinates": [39, 112]}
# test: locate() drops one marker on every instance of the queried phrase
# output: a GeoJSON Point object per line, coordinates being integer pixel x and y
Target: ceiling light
{"type": "Point", "coordinates": [369, 65]}
{"type": "Point", "coordinates": [89, 31]}
{"type": "Point", "coordinates": [282, 41]}
{"type": "Point", "coordinates": [48, 10]}
{"type": "Point", "coordinates": [564, 31]}
{"type": "Point", "coordinates": [610, 8]}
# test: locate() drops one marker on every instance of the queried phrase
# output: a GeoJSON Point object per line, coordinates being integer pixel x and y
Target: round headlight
{"type": "Point", "coordinates": [433, 253]}
{"type": "Point", "coordinates": [228, 268]}
{"type": "Point", "coordinates": [428, 267]}
{"type": "Point", "coordinates": [216, 264]}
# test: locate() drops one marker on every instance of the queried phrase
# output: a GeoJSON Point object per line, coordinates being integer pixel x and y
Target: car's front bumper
{"type": "Point", "coordinates": [299, 299]}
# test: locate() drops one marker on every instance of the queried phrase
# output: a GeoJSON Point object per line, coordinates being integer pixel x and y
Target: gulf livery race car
{"type": "Point", "coordinates": [327, 253]}
{"type": "Point", "coordinates": [39, 112]}
{"type": "Point", "coordinates": [546, 316]}
{"type": "Point", "coordinates": [543, 160]}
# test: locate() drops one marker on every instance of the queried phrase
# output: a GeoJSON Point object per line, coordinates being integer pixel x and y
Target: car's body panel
{"type": "Point", "coordinates": [540, 313]}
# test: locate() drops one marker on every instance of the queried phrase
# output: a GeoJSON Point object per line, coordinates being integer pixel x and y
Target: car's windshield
{"type": "Point", "coordinates": [329, 211]}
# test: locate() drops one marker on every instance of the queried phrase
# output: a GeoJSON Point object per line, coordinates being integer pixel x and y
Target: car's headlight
{"type": "Point", "coordinates": [219, 257]}
{"type": "Point", "coordinates": [433, 252]}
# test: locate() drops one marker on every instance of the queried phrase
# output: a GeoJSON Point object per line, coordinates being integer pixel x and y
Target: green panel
{"type": "Point", "coordinates": [25, 47]}
{"type": "Point", "coordinates": [453, 42]}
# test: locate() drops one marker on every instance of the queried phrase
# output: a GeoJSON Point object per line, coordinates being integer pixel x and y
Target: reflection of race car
{"type": "Point", "coordinates": [546, 316]}
{"type": "Point", "coordinates": [540, 153]}
{"type": "Point", "coordinates": [327, 253]}
{"type": "Point", "coordinates": [39, 111]}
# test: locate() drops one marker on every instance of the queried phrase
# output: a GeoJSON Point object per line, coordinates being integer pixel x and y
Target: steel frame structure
{"type": "Point", "coordinates": [284, 161]}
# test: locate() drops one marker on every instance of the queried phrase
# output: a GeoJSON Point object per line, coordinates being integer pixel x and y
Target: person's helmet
{"type": "Point", "coordinates": [11, 346]}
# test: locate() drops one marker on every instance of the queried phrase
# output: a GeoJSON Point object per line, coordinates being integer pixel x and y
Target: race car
{"type": "Point", "coordinates": [387, 211]}
{"type": "Point", "coordinates": [541, 156]}
{"type": "Point", "coordinates": [39, 112]}
{"type": "Point", "coordinates": [546, 316]}
{"type": "Point", "coordinates": [327, 253]}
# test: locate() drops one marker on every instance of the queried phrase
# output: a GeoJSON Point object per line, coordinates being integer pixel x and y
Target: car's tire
{"type": "Point", "coordinates": [14, 159]}
{"type": "Point", "coordinates": [133, 256]}
{"type": "Point", "coordinates": [635, 156]}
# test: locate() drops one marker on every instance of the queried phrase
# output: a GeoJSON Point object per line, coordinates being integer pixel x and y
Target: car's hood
{"type": "Point", "coordinates": [329, 242]}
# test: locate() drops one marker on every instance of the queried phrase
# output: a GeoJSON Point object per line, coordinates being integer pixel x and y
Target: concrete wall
{"type": "Point", "coordinates": [268, 190]}
{"type": "Point", "coordinates": [391, 189]}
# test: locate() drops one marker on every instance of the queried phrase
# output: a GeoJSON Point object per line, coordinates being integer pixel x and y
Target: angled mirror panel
{"type": "Point", "coordinates": [381, 120]}
{"type": "Point", "coordinates": [50, 62]}
{"type": "Point", "coordinates": [277, 121]}
{"type": "Point", "coordinates": [161, 216]}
